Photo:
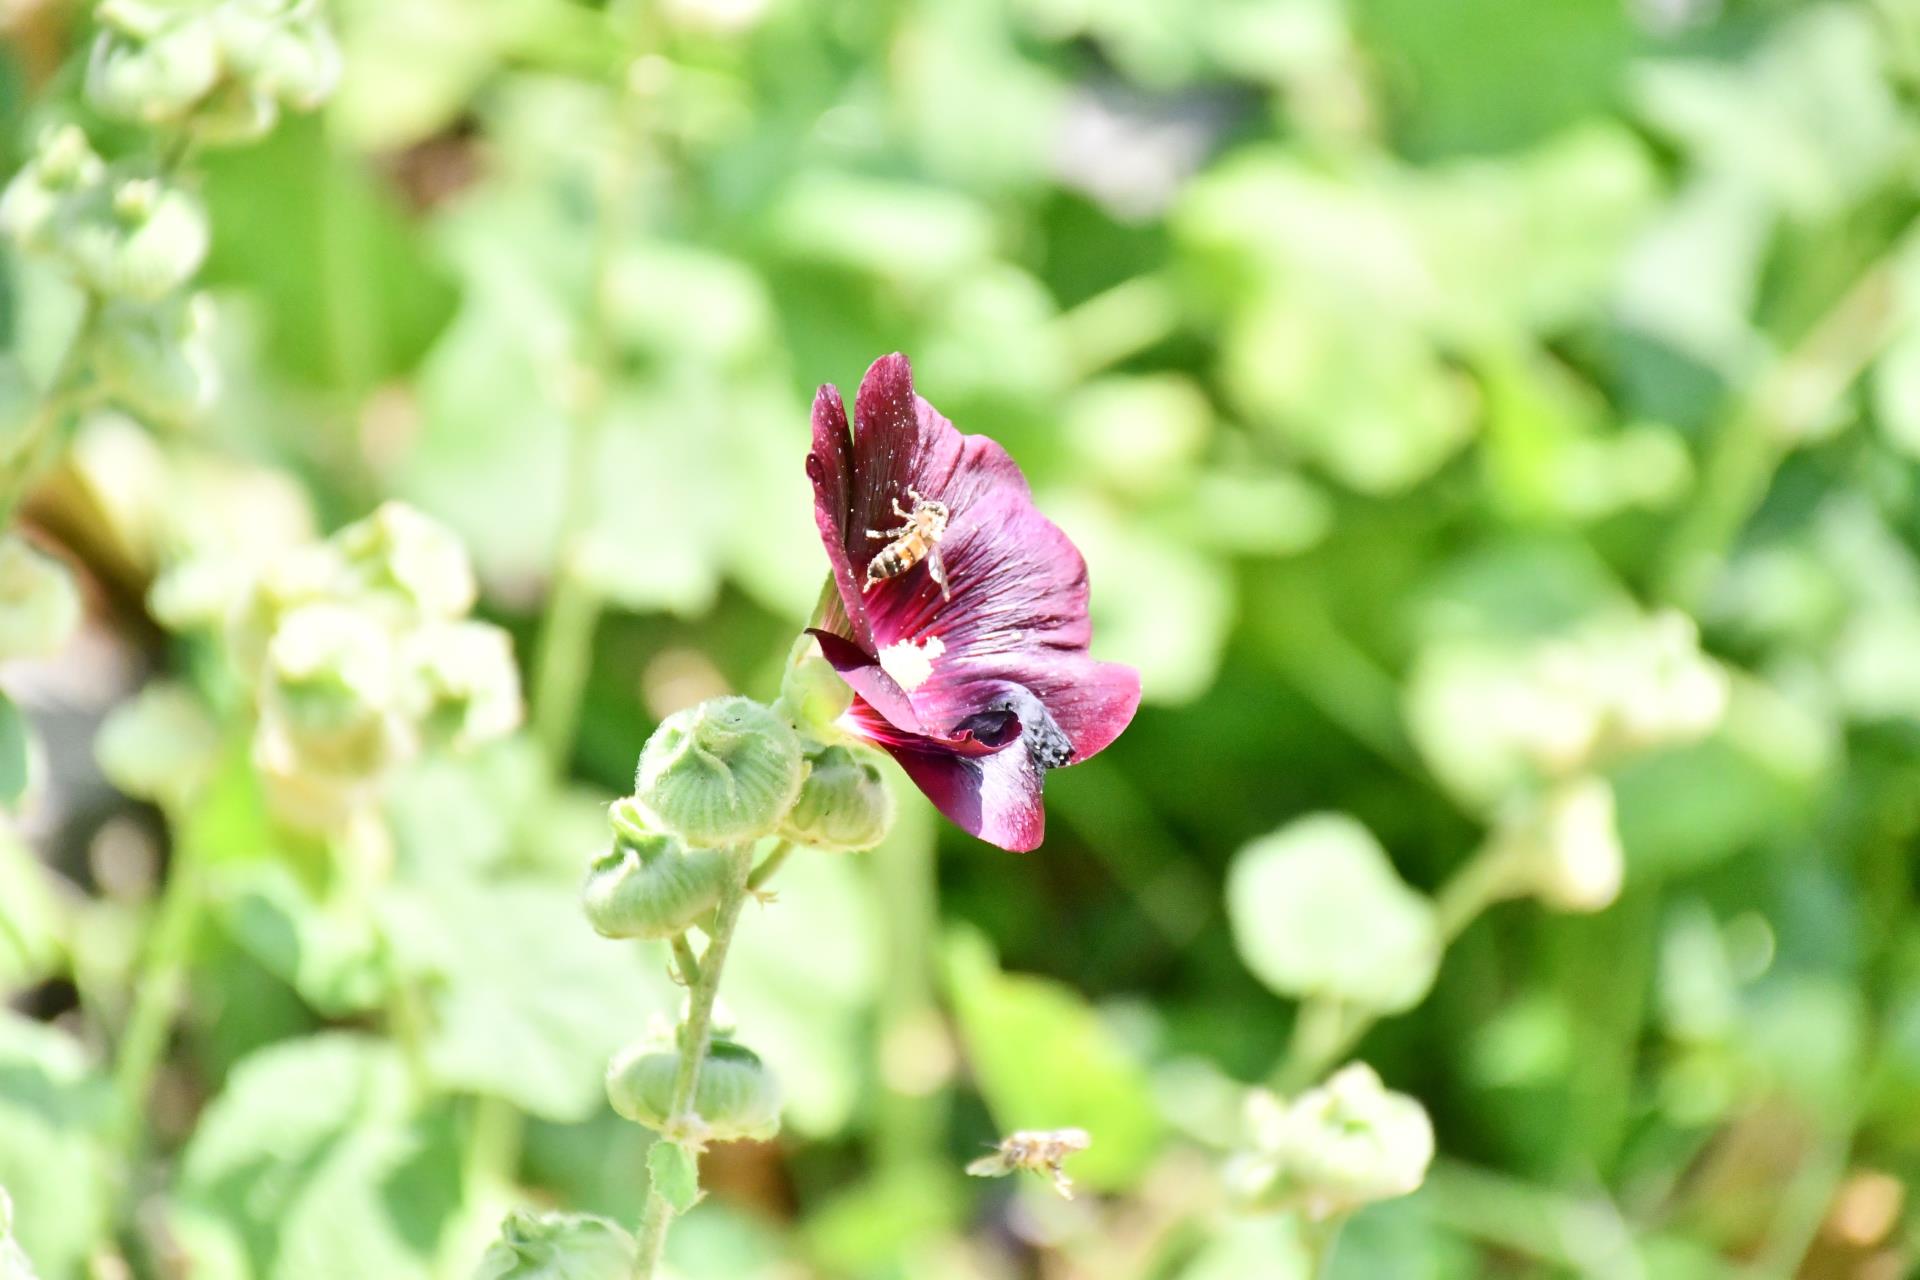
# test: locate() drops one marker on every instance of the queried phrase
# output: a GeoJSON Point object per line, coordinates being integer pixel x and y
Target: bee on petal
{"type": "Point", "coordinates": [1036, 1151]}
{"type": "Point", "coordinates": [916, 540]}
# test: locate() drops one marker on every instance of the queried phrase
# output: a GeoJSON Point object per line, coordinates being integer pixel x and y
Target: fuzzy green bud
{"type": "Point", "coordinates": [812, 694]}
{"type": "Point", "coordinates": [557, 1246]}
{"type": "Point", "coordinates": [304, 575]}
{"type": "Point", "coordinates": [465, 686]}
{"type": "Point", "coordinates": [1348, 1143]}
{"type": "Point", "coordinates": [147, 69]}
{"type": "Point", "coordinates": [221, 70]}
{"type": "Point", "coordinates": [736, 1097]}
{"type": "Point", "coordinates": [139, 239]}
{"type": "Point", "coordinates": [720, 773]}
{"type": "Point", "coordinates": [414, 559]}
{"type": "Point", "coordinates": [157, 360]}
{"type": "Point", "coordinates": [844, 805]}
{"type": "Point", "coordinates": [329, 687]}
{"type": "Point", "coordinates": [650, 885]}
{"type": "Point", "coordinates": [283, 51]}
{"type": "Point", "coordinates": [63, 166]}
{"type": "Point", "coordinates": [1568, 854]}
{"type": "Point", "coordinates": [39, 602]}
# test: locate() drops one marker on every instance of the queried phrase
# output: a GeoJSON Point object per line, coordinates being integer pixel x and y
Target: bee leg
{"type": "Point", "coordinates": [888, 534]}
{"type": "Point", "coordinates": [937, 569]}
{"type": "Point", "coordinates": [903, 514]}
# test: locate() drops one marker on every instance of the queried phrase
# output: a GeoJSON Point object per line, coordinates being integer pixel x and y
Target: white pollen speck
{"type": "Point", "coordinates": [910, 664]}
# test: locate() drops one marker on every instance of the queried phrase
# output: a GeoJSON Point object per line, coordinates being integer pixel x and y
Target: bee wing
{"type": "Point", "coordinates": [1073, 1139]}
{"type": "Point", "coordinates": [994, 1165]}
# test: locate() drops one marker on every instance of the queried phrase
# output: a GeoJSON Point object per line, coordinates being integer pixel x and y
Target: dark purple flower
{"type": "Point", "coordinates": [979, 687]}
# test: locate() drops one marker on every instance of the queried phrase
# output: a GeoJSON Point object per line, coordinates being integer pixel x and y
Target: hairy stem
{"type": "Point", "coordinates": [694, 1035]}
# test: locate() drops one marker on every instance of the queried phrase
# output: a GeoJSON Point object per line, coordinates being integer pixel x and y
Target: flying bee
{"type": "Point", "coordinates": [1035, 1150]}
{"type": "Point", "coordinates": [916, 540]}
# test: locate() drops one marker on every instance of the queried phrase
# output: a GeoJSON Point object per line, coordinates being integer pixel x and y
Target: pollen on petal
{"type": "Point", "coordinates": [911, 664]}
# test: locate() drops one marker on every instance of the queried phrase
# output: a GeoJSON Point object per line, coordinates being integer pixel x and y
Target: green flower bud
{"type": "Point", "coordinates": [140, 240]}
{"type": "Point", "coordinates": [161, 745]}
{"type": "Point", "coordinates": [1568, 853]}
{"type": "Point", "coordinates": [812, 694]}
{"type": "Point", "coordinates": [651, 885]}
{"type": "Point", "coordinates": [284, 52]}
{"type": "Point", "coordinates": [329, 689]}
{"type": "Point", "coordinates": [1348, 1143]}
{"type": "Point", "coordinates": [720, 773]}
{"type": "Point", "coordinates": [151, 73]}
{"type": "Point", "coordinates": [400, 552]}
{"type": "Point", "coordinates": [304, 575]}
{"type": "Point", "coordinates": [35, 202]}
{"type": "Point", "coordinates": [557, 1246]}
{"type": "Point", "coordinates": [844, 805]}
{"type": "Point", "coordinates": [736, 1097]}
{"type": "Point", "coordinates": [39, 603]}
{"type": "Point", "coordinates": [465, 686]}
{"type": "Point", "coordinates": [157, 360]}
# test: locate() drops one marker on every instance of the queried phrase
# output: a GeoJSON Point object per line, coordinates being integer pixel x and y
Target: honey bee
{"type": "Point", "coordinates": [1035, 1150]}
{"type": "Point", "coordinates": [916, 540]}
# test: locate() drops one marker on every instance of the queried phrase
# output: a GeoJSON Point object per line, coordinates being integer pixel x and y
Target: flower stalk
{"type": "Point", "coordinates": [696, 1033]}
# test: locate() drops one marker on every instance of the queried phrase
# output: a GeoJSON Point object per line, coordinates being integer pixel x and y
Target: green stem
{"type": "Point", "coordinates": [910, 1114]}
{"type": "Point", "coordinates": [769, 866]}
{"type": "Point", "coordinates": [1323, 1030]}
{"type": "Point", "coordinates": [1122, 322]}
{"type": "Point", "coordinates": [158, 989]}
{"type": "Point", "coordinates": [563, 659]}
{"type": "Point", "coordinates": [1793, 399]}
{"type": "Point", "coordinates": [1320, 1240]}
{"type": "Point", "coordinates": [1485, 879]}
{"type": "Point", "coordinates": [694, 1035]}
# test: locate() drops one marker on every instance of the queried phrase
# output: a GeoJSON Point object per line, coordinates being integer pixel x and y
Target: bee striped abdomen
{"type": "Point", "coordinates": [916, 540]}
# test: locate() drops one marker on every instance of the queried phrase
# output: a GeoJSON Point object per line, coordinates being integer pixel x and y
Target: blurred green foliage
{"type": "Point", "coordinates": [1407, 371]}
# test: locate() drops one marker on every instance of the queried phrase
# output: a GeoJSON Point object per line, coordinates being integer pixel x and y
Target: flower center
{"type": "Point", "coordinates": [910, 664]}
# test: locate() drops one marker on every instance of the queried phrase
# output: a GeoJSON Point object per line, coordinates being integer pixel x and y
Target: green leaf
{"type": "Point", "coordinates": [1045, 1059]}
{"type": "Point", "coordinates": [526, 1002]}
{"type": "Point", "coordinates": [1318, 910]}
{"type": "Point", "coordinates": [287, 209]}
{"type": "Point", "coordinates": [673, 1171]}
{"type": "Point", "coordinates": [900, 231]}
{"type": "Point", "coordinates": [16, 749]}
{"type": "Point", "coordinates": [53, 1111]}
{"type": "Point", "coordinates": [316, 1160]}
{"type": "Point", "coordinates": [557, 1246]}
{"type": "Point", "coordinates": [321, 938]}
